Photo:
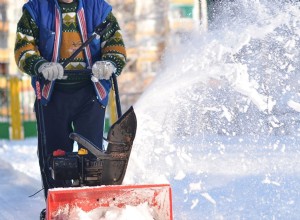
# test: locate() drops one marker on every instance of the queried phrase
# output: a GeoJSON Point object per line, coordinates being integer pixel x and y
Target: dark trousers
{"type": "Point", "coordinates": [67, 112]}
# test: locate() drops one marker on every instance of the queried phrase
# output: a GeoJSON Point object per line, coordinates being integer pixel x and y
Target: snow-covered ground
{"type": "Point", "coordinates": [220, 123]}
{"type": "Point", "coordinates": [19, 179]}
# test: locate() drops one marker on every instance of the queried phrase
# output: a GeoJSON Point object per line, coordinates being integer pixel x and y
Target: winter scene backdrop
{"type": "Point", "coordinates": [220, 123]}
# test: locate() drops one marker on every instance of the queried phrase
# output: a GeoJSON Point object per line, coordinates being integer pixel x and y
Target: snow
{"type": "Point", "coordinates": [220, 123]}
{"type": "Point", "coordinates": [16, 184]}
{"type": "Point", "coordinates": [139, 212]}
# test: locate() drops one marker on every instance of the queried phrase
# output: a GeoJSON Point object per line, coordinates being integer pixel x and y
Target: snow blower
{"type": "Point", "coordinates": [97, 175]}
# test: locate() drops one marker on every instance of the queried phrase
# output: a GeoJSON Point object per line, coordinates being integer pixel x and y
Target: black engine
{"type": "Point", "coordinates": [93, 167]}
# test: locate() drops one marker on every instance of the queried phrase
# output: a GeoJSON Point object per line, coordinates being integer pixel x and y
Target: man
{"type": "Point", "coordinates": [48, 33]}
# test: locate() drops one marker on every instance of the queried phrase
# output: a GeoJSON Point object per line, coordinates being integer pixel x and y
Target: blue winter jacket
{"type": "Point", "coordinates": [47, 16]}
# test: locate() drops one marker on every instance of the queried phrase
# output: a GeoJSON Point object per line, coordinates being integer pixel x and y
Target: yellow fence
{"type": "Point", "coordinates": [15, 108]}
{"type": "Point", "coordinates": [17, 119]}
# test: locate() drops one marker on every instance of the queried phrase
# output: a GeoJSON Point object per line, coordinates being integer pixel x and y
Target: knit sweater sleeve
{"type": "Point", "coordinates": [27, 56]}
{"type": "Point", "coordinates": [112, 47]}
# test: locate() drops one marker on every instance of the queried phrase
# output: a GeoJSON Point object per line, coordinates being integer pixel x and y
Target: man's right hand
{"type": "Point", "coordinates": [52, 71]}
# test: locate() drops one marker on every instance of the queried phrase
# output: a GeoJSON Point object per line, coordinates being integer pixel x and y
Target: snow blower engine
{"type": "Point", "coordinates": [87, 169]}
{"type": "Point", "coordinates": [93, 167]}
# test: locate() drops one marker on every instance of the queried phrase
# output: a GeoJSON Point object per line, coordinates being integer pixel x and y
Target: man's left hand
{"type": "Point", "coordinates": [103, 69]}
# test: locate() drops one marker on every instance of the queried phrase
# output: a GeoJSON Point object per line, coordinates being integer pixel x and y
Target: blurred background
{"type": "Point", "coordinates": [147, 27]}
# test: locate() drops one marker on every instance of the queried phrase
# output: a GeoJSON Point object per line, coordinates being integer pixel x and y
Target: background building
{"type": "Point", "coordinates": [4, 55]}
{"type": "Point", "coordinates": [147, 27]}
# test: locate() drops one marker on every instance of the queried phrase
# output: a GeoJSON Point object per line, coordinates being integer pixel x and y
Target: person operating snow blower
{"type": "Point", "coordinates": [48, 33]}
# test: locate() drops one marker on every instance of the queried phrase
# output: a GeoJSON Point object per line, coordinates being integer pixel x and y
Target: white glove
{"type": "Point", "coordinates": [103, 69]}
{"type": "Point", "coordinates": [52, 71]}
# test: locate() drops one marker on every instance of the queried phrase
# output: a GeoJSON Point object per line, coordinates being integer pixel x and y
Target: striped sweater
{"type": "Point", "coordinates": [28, 57]}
